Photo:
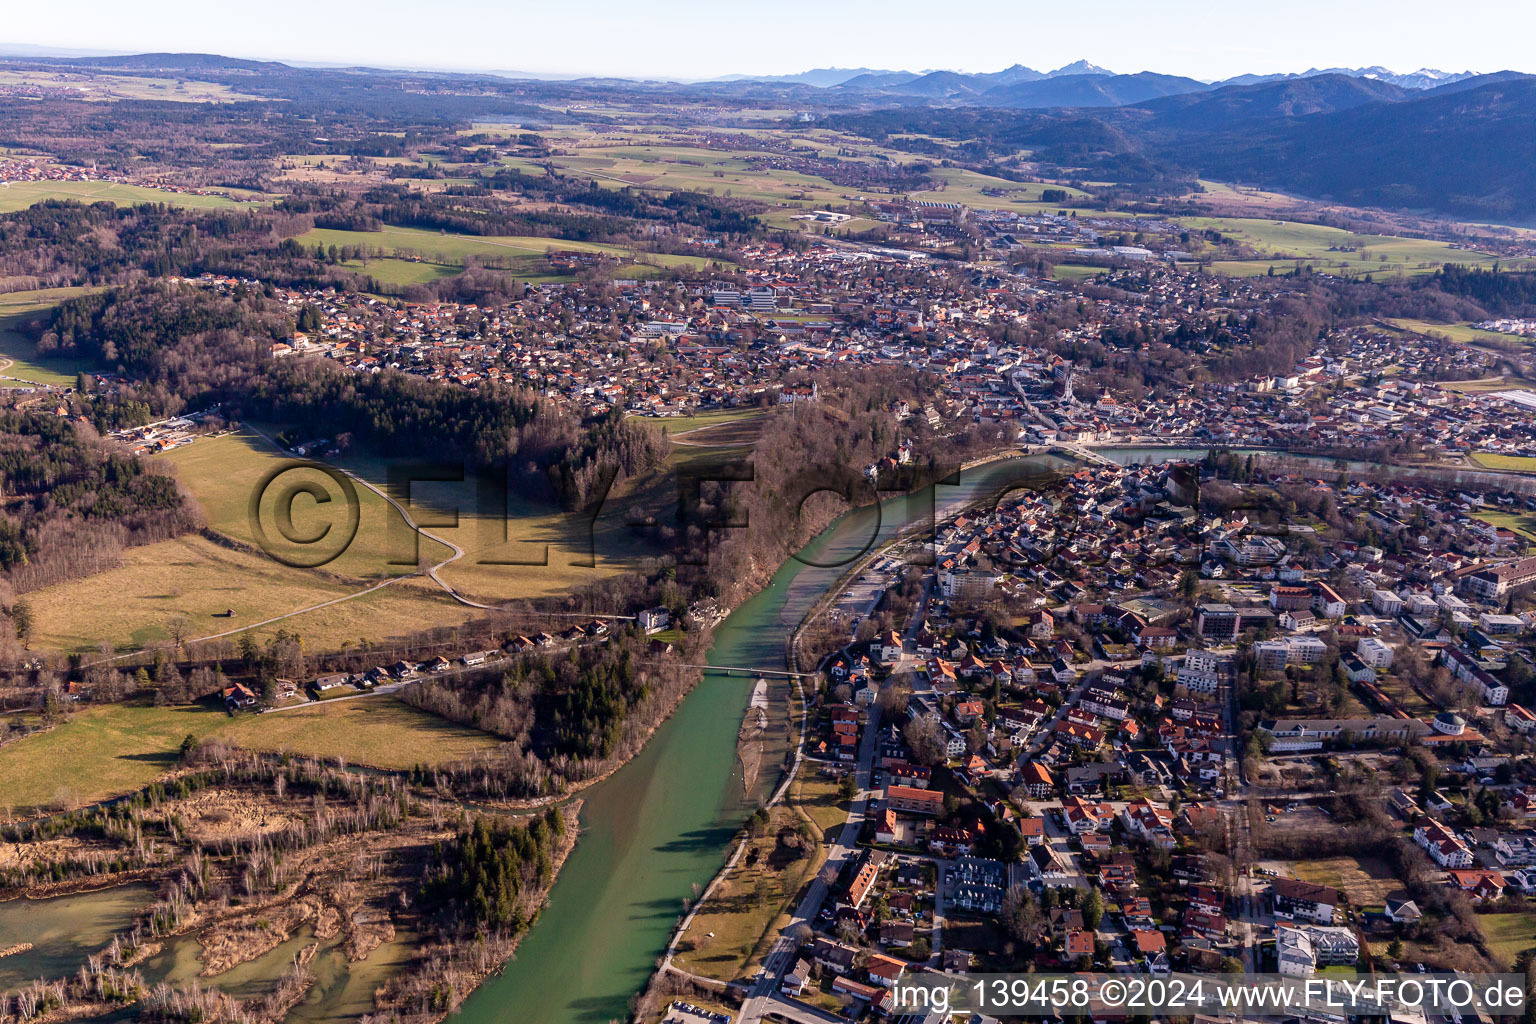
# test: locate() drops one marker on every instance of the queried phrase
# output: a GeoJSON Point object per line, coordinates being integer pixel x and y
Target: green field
{"type": "Point", "coordinates": [1282, 243]}
{"type": "Point", "coordinates": [19, 362]}
{"type": "Point", "coordinates": [1508, 935]}
{"type": "Point", "coordinates": [115, 748]}
{"type": "Point", "coordinates": [1523, 523]}
{"type": "Point", "coordinates": [707, 418]}
{"type": "Point", "coordinates": [525, 252]}
{"type": "Point", "coordinates": [403, 272]}
{"type": "Point", "coordinates": [1075, 272]}
{"type": "Point", "coordinates": [191, 582]}
{"type": "Point", "coordinates": [1517, 463]}
{"type": "Point", "coordinates": [1465, 334]}
{"type": "Point", "coordinates": [19, 195]}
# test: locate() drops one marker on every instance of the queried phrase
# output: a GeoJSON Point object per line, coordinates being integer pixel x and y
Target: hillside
{"type": "Point", "coordinates": [1470, 153]}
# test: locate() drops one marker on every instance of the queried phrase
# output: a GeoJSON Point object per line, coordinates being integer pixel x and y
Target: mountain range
{"type": "Point", "coordinates": [1452, 143]}
{"type": "Point", "coordinates": [1079, 84]}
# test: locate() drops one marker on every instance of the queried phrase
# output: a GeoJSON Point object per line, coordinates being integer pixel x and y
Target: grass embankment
{"type": "Point", "coordinates": [733, 929]}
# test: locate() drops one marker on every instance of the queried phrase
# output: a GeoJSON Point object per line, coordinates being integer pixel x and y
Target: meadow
{"type": "Point", "coordinates": [20, 364]}
{"type": "Point", "coordinates": [188, 584]}
{"type": "Point", "coordinates": [1515, 463]}
{"type": "Point", "coordinates": [124, 87]}
{"type": "Point", "coordinates": [1508, 935]}
{"type": "Point", "coordinates": [1283, 243]}
{"type": "Point", "coordinates": [730, 933]}
{"type": "Point", "coordinates": [402, 272]}
{"type": "Point", "coordinates": [1523, 523]}
{"type": "Point", "coordinates": [1463, 333]}
{"type": "Point", "coordinates": [446, 253]}
{"type": "Point", "coordinates": [18, 195]}
{"type": "Point", "coordinates": [103, 751]}
{"type": "Point", "coordinates": [140, 601]}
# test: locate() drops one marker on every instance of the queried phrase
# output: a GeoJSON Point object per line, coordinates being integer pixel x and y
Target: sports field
{"type": "Point", "coordinates": [1075, 272]}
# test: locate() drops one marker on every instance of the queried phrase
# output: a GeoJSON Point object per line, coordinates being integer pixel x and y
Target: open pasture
{"type": "Point", "coordinates": [18, 195]}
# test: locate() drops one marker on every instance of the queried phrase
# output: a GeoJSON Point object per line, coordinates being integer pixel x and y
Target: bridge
{"type": "Point", "coordinates": [732, 670]}
{"type": "Point", "coordinates": [1083, 454]}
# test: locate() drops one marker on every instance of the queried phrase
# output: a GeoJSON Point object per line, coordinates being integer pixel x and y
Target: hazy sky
{"type": "Point", "coordinates": [693, 39]}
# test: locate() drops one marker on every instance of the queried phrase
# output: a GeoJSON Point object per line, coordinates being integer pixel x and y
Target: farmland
{"type": "Point", "coordinates": [123, 87]}
{"type": "Point", "coordinates": [103, 751]}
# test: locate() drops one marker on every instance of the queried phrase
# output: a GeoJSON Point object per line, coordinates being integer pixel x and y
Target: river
{"type": "Point", "coordinates": [657, 830]}
{"type": "Point", "coordinates": [654, 833]}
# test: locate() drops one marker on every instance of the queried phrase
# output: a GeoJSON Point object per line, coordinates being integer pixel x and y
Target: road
{"type": "Point", "coordinates": [782, 954]}
{"type": "Point", "coordinates": [764, 995]}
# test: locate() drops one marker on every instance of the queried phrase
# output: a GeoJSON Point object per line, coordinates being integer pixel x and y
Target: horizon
{"type": "Point", "coordinates": [26, 50]}
{"type": "Point", "coordinates": [685, 41]}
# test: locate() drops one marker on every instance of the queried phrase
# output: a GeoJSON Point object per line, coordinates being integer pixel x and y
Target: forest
{"type": "Point", "coordinates": [74, 503]}
{"type": "Point", "coordinates": [567, 717]}
{"type": "Point", "coordinates": [480, 879]}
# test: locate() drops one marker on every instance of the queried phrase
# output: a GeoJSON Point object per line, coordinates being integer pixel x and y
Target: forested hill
{"type": "Point", "coordinates": [1471, 153]}
{"type": "Point", "coordinates": [1467, 149]}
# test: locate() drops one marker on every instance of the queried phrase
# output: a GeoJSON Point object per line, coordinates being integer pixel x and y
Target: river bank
{"type": "Point", "coordinates": [660, 828]}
